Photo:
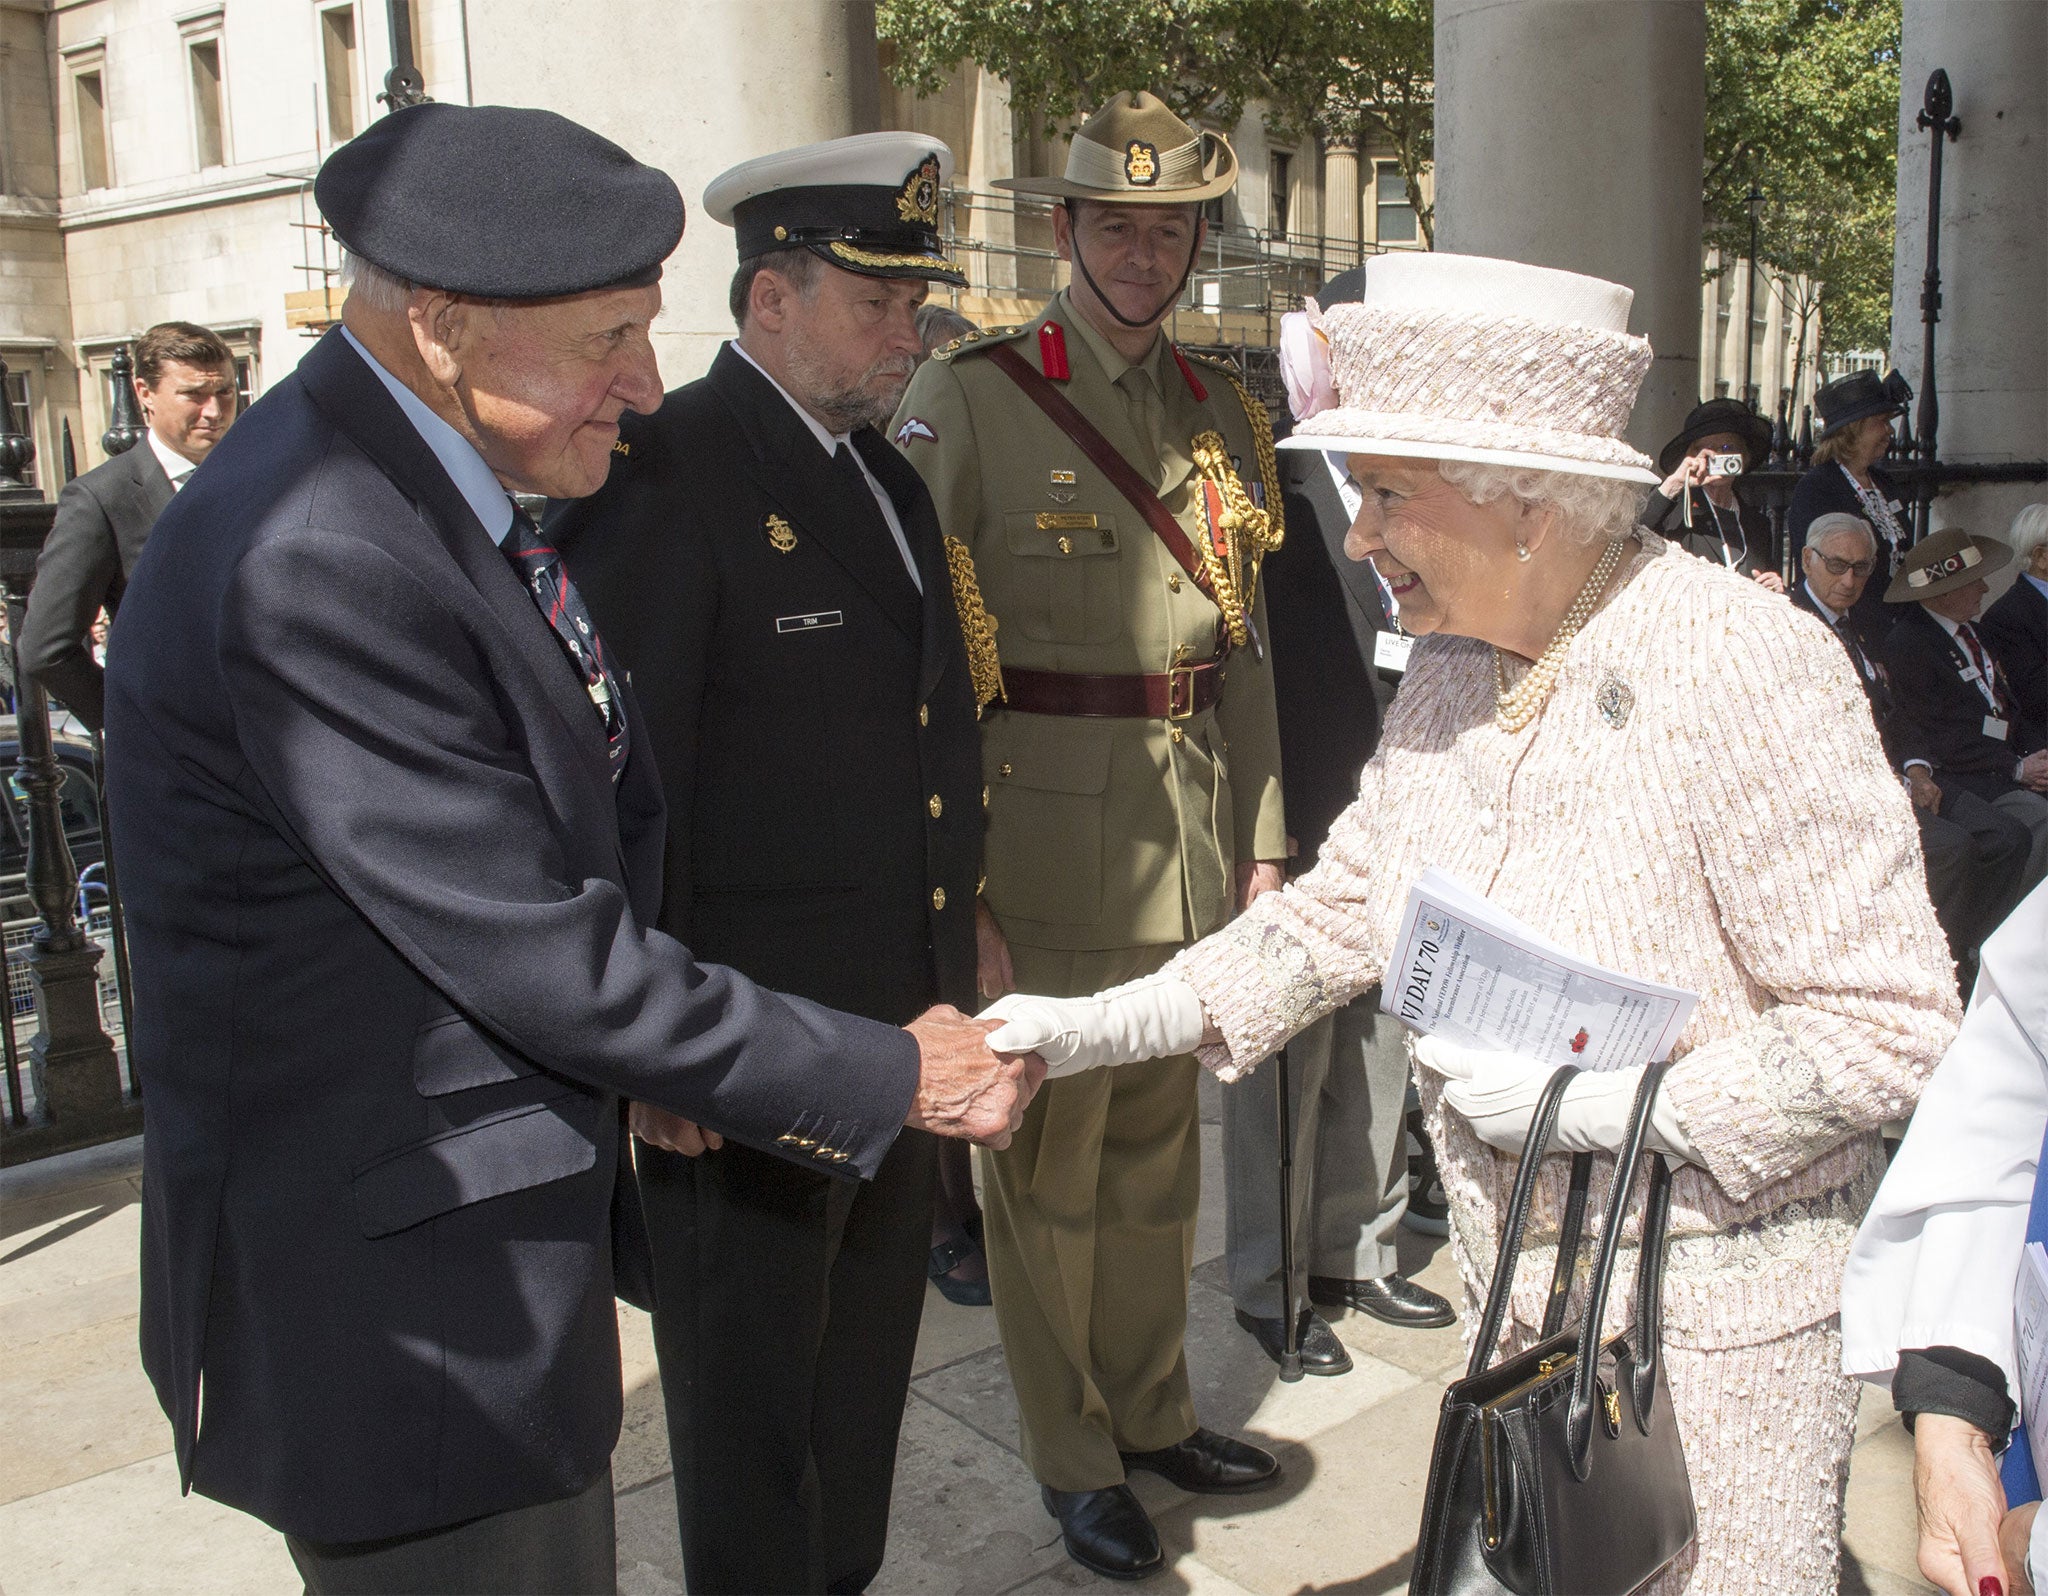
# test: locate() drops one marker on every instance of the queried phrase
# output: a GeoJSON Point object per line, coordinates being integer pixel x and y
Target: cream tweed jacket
{"type": "Point", "coordinates": [1666, 816]}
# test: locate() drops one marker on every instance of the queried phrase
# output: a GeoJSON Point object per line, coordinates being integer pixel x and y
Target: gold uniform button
{"type": "Point", "coordinates": [1003, 769]}
{"type": "Point", "coordinates": [935, 806]}
{"type": "Point", "coordinates": [924, 714]}
{"type": "Point", "coordinates": [1173, 581]}
{"type": "Point", "coordinates": [984, 797]}
{"type": "Point", "coordinates": [786, 1139]}
{"type": "Point", "coordinates": [840, 1158]}
{"type": "Point", "coordinates": [1066, 545]}
{"type": "Point", "coordinates": [938, 897]}
{"type": "Point", "coordinates": [1175, 733]}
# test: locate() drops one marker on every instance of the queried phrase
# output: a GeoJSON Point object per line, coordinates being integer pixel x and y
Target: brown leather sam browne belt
{"type": "Point", "coordinates": [1163, 695]}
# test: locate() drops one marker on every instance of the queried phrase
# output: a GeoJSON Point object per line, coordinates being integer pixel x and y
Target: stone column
{"type": "Point", "coordinates": [1340, 204]}
{"type": "Point", "coordinates": [692, 89]}
{"type": "Point", "coordinates": [1991, 344]}
{"type": "Point", "coordinates": [1571, 134]}
{"type": "Point", "coordinates": [991, 154]}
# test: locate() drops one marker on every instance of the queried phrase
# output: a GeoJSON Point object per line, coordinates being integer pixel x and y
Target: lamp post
{"type": "Point", "coordinates": [124, 417]}
{"type": "Point", "coordinates": [404, 84]}
{"type": "Point", "coordinates": [1934, 117]}
{"type": "Point", "coordinates": [1755, 204]}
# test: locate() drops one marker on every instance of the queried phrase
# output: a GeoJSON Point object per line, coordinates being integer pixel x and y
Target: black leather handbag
{"type": "Point", "coordinates": [1558, 1472]}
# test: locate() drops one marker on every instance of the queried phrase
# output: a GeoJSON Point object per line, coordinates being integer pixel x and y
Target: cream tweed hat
{"type": "Point", "coordinates": [1458, 357]}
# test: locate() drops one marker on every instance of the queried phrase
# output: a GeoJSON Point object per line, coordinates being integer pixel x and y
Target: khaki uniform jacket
{"type": "Point", "coordinates": [1102, 832]}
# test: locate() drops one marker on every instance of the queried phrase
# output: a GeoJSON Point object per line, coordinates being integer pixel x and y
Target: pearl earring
{"type": "Point", "coordinates": [1521, 551]}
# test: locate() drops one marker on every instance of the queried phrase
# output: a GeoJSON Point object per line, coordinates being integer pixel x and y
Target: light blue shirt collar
{"type": "Point", "coordinates": [474, 480]}
{"type": "Point", "coordinates": [2038, 583]}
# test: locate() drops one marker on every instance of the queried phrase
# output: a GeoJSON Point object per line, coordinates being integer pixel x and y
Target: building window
{"type": "Point", "coordinates": [208, 125]}
{"type": "Point", "coordinates": [338, 51]}
{"type": "Point", "coordinates": [245, 382]}
{"type": "Point", "coordinates": [89, 89]}
{"type": "Point", "coordinates": [1280, 179]}
{"type": "Point", "coordinates": [1396, 216]}
{"type": "Point", "coordinates": [21, 398]}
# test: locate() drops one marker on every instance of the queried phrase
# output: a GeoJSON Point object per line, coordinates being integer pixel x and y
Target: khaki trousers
{"type": "Point", "coordinates": [1090, 1233]}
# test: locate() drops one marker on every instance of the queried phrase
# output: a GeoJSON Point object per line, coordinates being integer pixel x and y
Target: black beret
{"type": "Point", "coordinates": [499, 201]}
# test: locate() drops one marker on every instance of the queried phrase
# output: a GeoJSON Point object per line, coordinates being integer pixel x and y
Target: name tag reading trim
{"type": "Point", "coordinates": [816, 621]}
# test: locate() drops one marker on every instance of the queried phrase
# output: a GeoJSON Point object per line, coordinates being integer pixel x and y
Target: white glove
{"type": "Point", "coordinates": [1155, 1017]}
{"type": "Point", "coordinates": [1497, 1093]}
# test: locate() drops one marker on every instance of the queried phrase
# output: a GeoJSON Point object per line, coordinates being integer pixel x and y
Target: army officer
{"type": "Point", "coordinates": [1116, 495]}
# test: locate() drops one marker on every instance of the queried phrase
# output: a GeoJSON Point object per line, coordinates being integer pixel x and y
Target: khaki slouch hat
{"type": "Point", "coordinates": [1135, 151]}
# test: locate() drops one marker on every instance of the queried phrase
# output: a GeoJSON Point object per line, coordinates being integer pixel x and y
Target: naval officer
{"type": "Point", "coordinates": [1117, 495]}
{"type": "Point", "coordinates": [769, 569]}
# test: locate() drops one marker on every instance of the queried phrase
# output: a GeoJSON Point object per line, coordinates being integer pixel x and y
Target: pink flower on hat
{"type": "Point", "coordinates": [1305, 362]}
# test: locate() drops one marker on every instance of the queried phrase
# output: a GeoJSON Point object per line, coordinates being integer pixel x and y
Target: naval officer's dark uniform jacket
{"type": "Point", "coordinates": [814, 726]}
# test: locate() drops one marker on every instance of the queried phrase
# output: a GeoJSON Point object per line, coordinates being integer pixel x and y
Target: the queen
{"type": "Point", "coordinates": [1578, 738]}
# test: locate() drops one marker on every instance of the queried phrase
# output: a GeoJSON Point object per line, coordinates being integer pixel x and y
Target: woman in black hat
{"type": "Point", "coordinates": [1696, 507]}
{"type": "Point", "coordinates": [1857, 413]}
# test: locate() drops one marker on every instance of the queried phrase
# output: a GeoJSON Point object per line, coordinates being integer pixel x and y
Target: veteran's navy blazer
{"type": "Point", "coordinates": [389, 922]}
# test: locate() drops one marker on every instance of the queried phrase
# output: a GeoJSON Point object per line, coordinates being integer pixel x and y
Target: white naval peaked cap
{"type": "Point", "coordinates": [1478, 285]}
{"type": "Point", "coordinates": [862, 160]}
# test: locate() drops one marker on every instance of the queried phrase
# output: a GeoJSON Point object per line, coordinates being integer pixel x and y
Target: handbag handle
{"type": "Point", "coordinates": [1579, 1421]}
{"type": "Point", "coordinates": [1650, 1287]}
{"type": "Point", "coordinates": [1541, 1124]}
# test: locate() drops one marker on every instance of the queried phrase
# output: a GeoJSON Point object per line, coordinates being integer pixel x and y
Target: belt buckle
{"type": "Point", "coordinates": [1180, 691]}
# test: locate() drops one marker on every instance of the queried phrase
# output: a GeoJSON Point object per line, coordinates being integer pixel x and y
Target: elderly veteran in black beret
{"type": "Point", "coordinates": [770, 570]}
{"type": "Point", "coordinates": [391, 850]}
{"type": "Point", "coordinates": [1955, 720]}
{"type": "Point", "coordinates": [1696, 505]}
{"type": "Point", "coordinates": [1856, 412]}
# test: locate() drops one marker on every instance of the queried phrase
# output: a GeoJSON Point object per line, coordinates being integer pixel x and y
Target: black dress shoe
{"type": "Point", "coordinates": [1209, 1464]}
{"type": "Point", "coordinates": [949, 1256]}
{"type": "Point", "coordinates": [1321, 1351]}
{"type": "Point", "coordinates": [1394, 1298]}
{"type": "Point", "coordinates": [1105, 1531]}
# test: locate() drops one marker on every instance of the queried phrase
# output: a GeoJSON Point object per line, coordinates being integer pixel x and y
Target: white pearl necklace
{"type": "Point", "coordinates": [1514, 708]}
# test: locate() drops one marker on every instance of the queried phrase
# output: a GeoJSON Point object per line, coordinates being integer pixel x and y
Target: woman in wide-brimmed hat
{"type": "Point", "coordinates": [1696, 506]}
{"type": "Point", "coordinates": [1856, 414]}
{"type": "Point", "coordinates": [1565, 742]}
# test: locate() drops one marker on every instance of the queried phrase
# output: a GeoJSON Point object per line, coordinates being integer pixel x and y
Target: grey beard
{"type": "Point", "coordinates": [849, 408]}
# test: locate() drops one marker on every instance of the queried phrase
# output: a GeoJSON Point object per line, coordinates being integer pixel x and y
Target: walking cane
{"type": "Point", "coordinates": [1290, 1330]}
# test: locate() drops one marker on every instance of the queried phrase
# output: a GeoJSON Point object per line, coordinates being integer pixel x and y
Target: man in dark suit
{"type": "Point", "coordinates": [1953, 714]}
{"type": "Point", "coordinates": [2015, 629]}
{"type": "Point", "coordinates": [1976, 855]}
{"type": "Point", "coordinates": [392, 848]}
{"type": "Point", "coordinates": [185, 380]}
{"type": "Point", "coordinates": [1336, 661]}
{"type": "Point", "coordinates": [769, 569]}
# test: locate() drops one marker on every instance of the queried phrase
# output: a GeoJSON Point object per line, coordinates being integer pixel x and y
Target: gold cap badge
{"type": "Point", "coordinates": [780, 538]}
{"type": "Point", "coordinates": [1141, 163]}
{"type": "Point", "coordinates": [919, 201]}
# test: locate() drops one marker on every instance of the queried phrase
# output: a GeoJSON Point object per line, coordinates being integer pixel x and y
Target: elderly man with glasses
{"type": "Point", "coordinates": [1976, 854]}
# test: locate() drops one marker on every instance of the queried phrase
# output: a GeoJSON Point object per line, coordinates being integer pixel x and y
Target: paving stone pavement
{"type": "Point", "coordinates": [89, 1504]}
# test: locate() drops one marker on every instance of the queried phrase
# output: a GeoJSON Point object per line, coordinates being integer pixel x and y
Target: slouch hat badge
{"type": "Point", "coordinates": [1141, 163]}
{"type": "Point", "coordinates": [1615, 699]}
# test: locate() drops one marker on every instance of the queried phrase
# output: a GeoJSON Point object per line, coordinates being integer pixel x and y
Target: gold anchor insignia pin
{"type": "Point", "coordinates": [919, 199]}
{"type": "Point", "coordinates": [780, 538]}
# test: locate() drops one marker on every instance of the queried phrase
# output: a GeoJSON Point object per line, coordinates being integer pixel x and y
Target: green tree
{"type": "Point", "coordinates": [1342, 68]}
{"type": "Point", "coordinates": [1803, 100]}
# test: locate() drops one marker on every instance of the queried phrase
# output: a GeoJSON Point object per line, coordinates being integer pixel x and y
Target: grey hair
{"type": "Point", "coordinates": [1826, 526]}
{"type": "Point", "coordinates": [373, 287]}
{"type": "Point", "coordinates": [1586, 507]}
{"type": "Point", "coordinates": [939, 324]}
{"type": "Point", "coordinates": [2029, 532]}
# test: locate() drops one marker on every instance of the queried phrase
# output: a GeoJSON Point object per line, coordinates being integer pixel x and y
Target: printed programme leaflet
{"type": "Point", "coordinates": [1466, 970]}
{"type": "Point", "coordinates": [2030, 1341]}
